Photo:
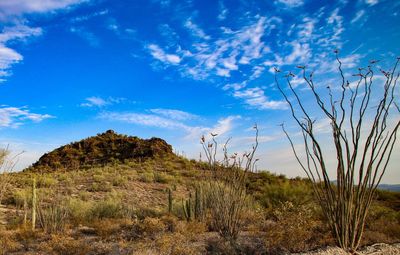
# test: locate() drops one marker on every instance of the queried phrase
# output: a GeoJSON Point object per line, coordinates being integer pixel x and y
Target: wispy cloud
{"type": "Point", "coordinates": [89, 16]}
{"type": "Point", "coordinates": [160, 55]}
{"type": "Point", "coordinates": [15, 117]}
{"type": "Point", "coordinates": [223, 11]}
{"type": "Point", "coordinates": [160, 120]}
{"type": "Point", "coordinates": [12, 13]}
{"type": "Point", "coordinates": [195, 30]}
{"type": "Point", "coordinates": [95, 101]}
{"type": "Point", "coordinates": [9, 56]}
{"type": "Point", "coordinates": [256, 98]}
{"type": "Point", "coordinates": [19, 7]}
{"type": "Point", "coordinates": [290, 3]}
{"type": "Point", "coordinates": [371, 2]}
{"type": "Point", "coordinates": [150, 120]}
{"type": "Point", "coordinates": [86, 35]}
{"type": "Point", "coordinates": [174, 114]}
{"type": "Point", "coordinates": [358, 16]}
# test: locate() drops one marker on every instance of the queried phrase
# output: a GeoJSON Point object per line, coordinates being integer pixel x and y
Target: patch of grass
{"type": "Point", "coordinates": [146, 177]}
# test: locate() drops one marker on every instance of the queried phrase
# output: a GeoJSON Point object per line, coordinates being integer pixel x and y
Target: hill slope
{"type": "Point", "coordinates": [101, 149]}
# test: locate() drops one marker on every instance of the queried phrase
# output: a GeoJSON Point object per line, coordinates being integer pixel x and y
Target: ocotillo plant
{"type": "Point", "coordinates": [34, 203]}
{"type": "Point", "coordinates": [6, 166]}
{"type": "Point", "coordinates": [226, 190]}
{"type": "Point", "coordinates": [363, 137]}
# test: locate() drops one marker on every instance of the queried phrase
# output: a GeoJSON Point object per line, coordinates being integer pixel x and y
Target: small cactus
{"type": "Point", "coordinates": [198, 205]}
{"type": "Point", "coordinates": [187, 208]}
{"type": "Point", "coordinates": [170, 199]}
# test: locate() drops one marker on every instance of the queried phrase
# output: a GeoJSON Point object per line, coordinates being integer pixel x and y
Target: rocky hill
{"type": "Point", "coordinates": [102, 149]}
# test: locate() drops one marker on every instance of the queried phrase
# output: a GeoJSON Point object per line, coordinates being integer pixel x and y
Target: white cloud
{"type": "Point", "coordinates": [89, 16]}
{"type": "Point", "coordinates": [290, 3]}
{"type": "Point", "coordinates": [358, 16]}
{"type": "Point", "coordinates": [19, 7]}
{"type": "Point", "coordinates": [350, 61]}
{"type": "Point", "coordinates": [160, 55]}
{"type": "Point", "coordinates": [12, 13]}
{"type": "Point", "coordinates": [14, 116]}
{"type": "Point", "coordinates": [229, 52]}
{"type": "Point", "coordinates": [223, 126]}
{"type": "Point", "coordinates": [195, 30]}
{"type": "Point", "coordinates": [256, 97]}
{"type": "Point", "coordinates": [9, 56]}
{"type": "Point", "coordinates": [223, 11]}
{"type": "Point", "coordinates": [300, 54]}
{"type": "Point", "coordinates": [95, 101]}
{"type": "Point", "coordinates": [234, 86]}
{"type": "Point", "coordinates": [151, 120]}
{"type": "Point", "coordinates": [371, 2]}
{"type": "Point", "coordinates": [174, 114]}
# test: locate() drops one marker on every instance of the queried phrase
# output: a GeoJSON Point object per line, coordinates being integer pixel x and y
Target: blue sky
{"type": "Point", "coordinates": [176, 69]}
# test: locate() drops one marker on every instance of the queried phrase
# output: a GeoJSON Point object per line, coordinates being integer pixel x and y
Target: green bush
{"type": "Point", "coordinates": [146, 177]}
{"type": "Point", "coordinates": [109, 208]}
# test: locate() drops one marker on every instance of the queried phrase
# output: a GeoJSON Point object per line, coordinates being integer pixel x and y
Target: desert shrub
{"type": "Point", "coordinates": [382, 225]}
{"type": "Point", "coordinates": [295, 228]}
{"type": "Point", "coordinates": [145, 212]}
{"type": "Point", "coordinates": [79, 210]}
{"type": "Point", "coordinates": [119, 180]}
{"type": "Point", "coordinates": [45, 181]}
{"type": "Point", "coordinates": [105, 228]}
{"type": "Point", "coordinates": [162, 177]}
{"type": "Point", "coordinates": [7, 243]}
{"type": "Point", "coordinates": [53, 218]}
{"type": "Point", "coordinates": [170, 222]}
{"type": "Point", "coordinates": [65, 245]}
{"type": "Point", "coordinates": [226, 192]}
{"type": "Point", "coordinates": [177, 244]}
{"type": "Point", "coordinates": [146, 177]}
{"type": "Point", "coordinates": [277, 193]}
{"type": "Point", "coordinates": [6, 166]}
{"type": "Point", "coordinates": [100, 187]}
{"type": "Point", "coordinates": [148, 228]}
{"type": "Point", "coordinates": [227, 207]}
{"type": "Point", "coordinates": [22, 196]}
{"type": "Point", "coordinates": [110, 208]}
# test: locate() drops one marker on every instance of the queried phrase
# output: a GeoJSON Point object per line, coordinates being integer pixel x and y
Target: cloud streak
{"type": "Point", "coordinates": [159, 120]}
{"type": "Point", "coordinates": [14, 117]}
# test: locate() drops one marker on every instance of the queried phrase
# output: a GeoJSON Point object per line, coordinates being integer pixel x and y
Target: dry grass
{"type": "Point", "coordinates": [132, 216]}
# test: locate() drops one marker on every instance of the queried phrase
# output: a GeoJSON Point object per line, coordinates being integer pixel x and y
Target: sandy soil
{"type": "Point", "coordinates": [376, 249]}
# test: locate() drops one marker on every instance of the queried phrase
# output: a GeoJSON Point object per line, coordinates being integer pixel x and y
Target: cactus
{"type": "Point", "coordinates": [194, 209]}
{"type": "Point", "coordinates": [25, 210]}
{"type": "Point", "coordinates": [187, 208]}
{"type": "Point", "coordinates": [34, 203]}
{"type": "Point", "coordinates": [170, 199]}
{"type": "Point", "coordinates": [198, 206]}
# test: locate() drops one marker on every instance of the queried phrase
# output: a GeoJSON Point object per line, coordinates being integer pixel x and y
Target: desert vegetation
{"type": "Point", "coordinates": [168, 205]}
{"type": "Point", "coordinates": [116, 194]}
{"type": "Point", "coordinates": [363, 139]}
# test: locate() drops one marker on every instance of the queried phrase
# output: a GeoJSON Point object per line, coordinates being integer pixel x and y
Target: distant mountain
{"type": "Point", "coordinates": [101, 149]}
{"type": "Point", "coordinates": [390, 187]}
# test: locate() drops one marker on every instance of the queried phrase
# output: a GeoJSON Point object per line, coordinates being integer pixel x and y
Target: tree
{"type": "Point", "coordinates": [363, 133]}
